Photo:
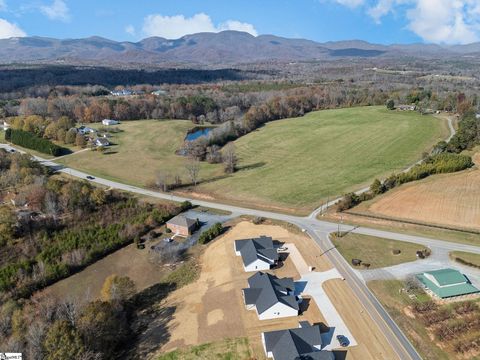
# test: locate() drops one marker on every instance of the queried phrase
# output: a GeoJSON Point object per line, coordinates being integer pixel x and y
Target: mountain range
{"type": "Point", "coordinates": [227, 47]}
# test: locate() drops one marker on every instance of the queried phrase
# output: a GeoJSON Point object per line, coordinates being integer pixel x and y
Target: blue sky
{"type": "Point", "coordinates": [380, 21]}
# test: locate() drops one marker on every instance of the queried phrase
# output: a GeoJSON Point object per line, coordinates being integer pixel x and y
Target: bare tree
{"type": "Point", "coordinates": [161, 180]}
{"type": "Point", "coordinates": [193, 169]}
{"type": "Point", "coordinates": [229, 158]}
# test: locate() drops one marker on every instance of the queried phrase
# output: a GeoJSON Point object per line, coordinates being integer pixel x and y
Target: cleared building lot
{"type": "Point", "coordinates": [212, 308]}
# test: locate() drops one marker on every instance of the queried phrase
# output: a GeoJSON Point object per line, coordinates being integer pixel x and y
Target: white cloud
{"type": "Point", "coordinates": [350, 3]}
{"type": "Point", "coordinates": [238, 26]}
{"type": "Point", "coordinates": [174, 27]}
{"type": "Point", "coordinates": [8, 30]}
{"type": "Point", "coordinates": [436, 21]}
{"type": "Point", "coordinates": [445, 21]}
{"type": "Point", "coordinates": [58, 10]}
{"type": "Point", "coordinates": [382, 8]}
{"type": "Point", "coordinates": [130, 29]}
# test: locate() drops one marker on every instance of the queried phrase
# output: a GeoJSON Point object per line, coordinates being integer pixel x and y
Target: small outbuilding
{"type": "Point", "coordinates": [108, 122]}
{"type": "Point", "coordinates": [447, 283]}
{"type": "Point", "coordinates": [102, 142]}
{"type": "Point", "coordinates": [181, 225]}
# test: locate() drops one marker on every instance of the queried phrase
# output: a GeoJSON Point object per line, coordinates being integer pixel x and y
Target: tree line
{"type": "Point", "coordinates": [31, 141]}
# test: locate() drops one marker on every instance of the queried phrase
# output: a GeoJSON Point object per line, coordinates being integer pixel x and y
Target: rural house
{"type": "Point", "coordinates": [304, 342]}
{"type": "Point", "coordinates": [102, 142]}
{"type": "Point", "coordinates": [257, 254]}
{"type": "Point", "coordinates": [108, 122]}
{"type": "Point", "coordinates": [181, 225]}
{"type": "Point", "coordinates": [446, 283]}
{"type": "Point", "coordinates": [270, 296]}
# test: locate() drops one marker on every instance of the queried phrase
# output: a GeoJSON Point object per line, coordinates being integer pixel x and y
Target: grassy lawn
{"type": "Point", "coordinates": [228, 349]}
{"type": "Point", "coordinates": [291, 164]}
{"type": "Point", "coordinates": [377, 252]}
{"type": "Point", "coordinates": [466, 258]}
{"type": "Point", "coordinates": [299, 162]}
{"type": "Point", "coordinates": [388, 292]}
{"type": "Point", "coordinates": [456, 236]}
{"type": "Point", "coordinates": [141, 150]}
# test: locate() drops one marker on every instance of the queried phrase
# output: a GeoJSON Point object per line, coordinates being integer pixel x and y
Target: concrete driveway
{"type": "Point", "coordinates": [311, 283]}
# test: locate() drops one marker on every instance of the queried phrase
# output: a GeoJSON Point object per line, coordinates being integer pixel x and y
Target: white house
{"type": "Point", "coordinates": [108, 122]}
{"type": "Point", "coordinates": [100, 142]}
{"type": "Point", "coordinates": [304, 342]}
{"type": "Point", "coordinates": [257, 254]}
{"type": "Point", "coordinates": [271, 297]}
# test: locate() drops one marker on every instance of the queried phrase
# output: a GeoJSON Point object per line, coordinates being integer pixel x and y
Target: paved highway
{"type": "Point", "coordinates": [319, 231]}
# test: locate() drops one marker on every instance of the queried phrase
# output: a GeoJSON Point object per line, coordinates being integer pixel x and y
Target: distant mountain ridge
{"type": "Point", "coordinates": [227, 47]}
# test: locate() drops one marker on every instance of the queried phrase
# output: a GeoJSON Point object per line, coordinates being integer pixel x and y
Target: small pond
{"type": "Point", "coordinates": [195, 133]}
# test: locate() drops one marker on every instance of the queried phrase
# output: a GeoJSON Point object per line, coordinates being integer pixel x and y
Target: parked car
{"type": "Point", "coordinates": [342, 340]}
{"type": "Point", "coordinates": [89, 177]}
{"type": "Point", "coordinates": [168, 240]}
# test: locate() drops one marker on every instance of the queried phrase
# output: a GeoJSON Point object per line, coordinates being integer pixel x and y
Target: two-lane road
{"type": "Point", "coordinates": [318, 230]}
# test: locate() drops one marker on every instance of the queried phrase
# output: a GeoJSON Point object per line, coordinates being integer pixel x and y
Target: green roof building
{"type": "Point", "coordinates": [447, 283]}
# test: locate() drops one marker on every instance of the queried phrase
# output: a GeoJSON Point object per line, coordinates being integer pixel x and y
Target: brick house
{"type": "Point", "coordinates": [182, 225]}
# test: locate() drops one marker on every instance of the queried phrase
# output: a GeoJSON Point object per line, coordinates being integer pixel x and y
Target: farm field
{"type": "Point", "coordinates": [375, 251]}
{"type": "Point", "coordinates": [212, 309]}
{"type": "Point", "coordinates": [137, 153]}
{"type": "Point", "coordinates": [424, 329]}
{"type": "Point", "coordinates": [297, 163]}
{"type": "Point", "coordinates": [449, 199]}
{"type": "Point", "coordinates": [291, 164]}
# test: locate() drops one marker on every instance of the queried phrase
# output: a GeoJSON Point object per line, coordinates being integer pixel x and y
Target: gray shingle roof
{"type": "Point", "coordinates": [266, 290]}
{"type": "Point", "coordinates": [258, 248]}
{"type": "Point", "coordinates": [181, 220]}
{"type": "Point", "coordinates": [296, 344]}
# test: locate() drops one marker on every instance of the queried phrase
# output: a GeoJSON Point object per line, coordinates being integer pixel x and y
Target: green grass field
{"type": "Point", "coordinates": [291, 164]}
{"type": "Point", "coordinates": [299, 162]}
{"type": "Point", "coordinates": [141, 150]}
{"type": "Point", "coordinates": [377, 252]}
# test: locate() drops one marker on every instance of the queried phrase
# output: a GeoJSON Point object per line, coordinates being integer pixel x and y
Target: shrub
{"type": "Point", "coordinates": [257, 220]}
{"type": "Point", "coordinates": [210, 234]}
{"type": "Point", "coordinates": [390, 104]}
{"type": "Point", "coordinates": [186, 205]}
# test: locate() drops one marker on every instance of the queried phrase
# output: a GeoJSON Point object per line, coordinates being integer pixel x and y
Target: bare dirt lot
{"type": "Point", "coordinates": [449, 199]}
{"type": "Point", "coordinates": [212, 308]}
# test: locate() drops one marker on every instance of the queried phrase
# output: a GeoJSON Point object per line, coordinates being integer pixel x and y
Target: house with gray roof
{"type": "Point", "coordinates": [270, 296]}
{"type": "Point", "coordinates": [257, 254]}
{"type": "Point", "coordinates": [302, 343]}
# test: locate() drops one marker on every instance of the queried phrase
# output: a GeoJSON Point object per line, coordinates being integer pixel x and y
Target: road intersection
{"type": "Point", "coordinates": [319, 231]}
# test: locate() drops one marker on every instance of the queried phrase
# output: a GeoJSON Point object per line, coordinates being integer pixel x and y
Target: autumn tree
{"type": "Point", "coordinates": [103, 326]}
{"type": "Point", "coordinates": [117, 289]}
{"type": "Point", "coordinates": [63, 342]}
{"type": "Point", "coordinates": [7, 224]}
{"type": "Point", "coordinates": [80, 140]}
